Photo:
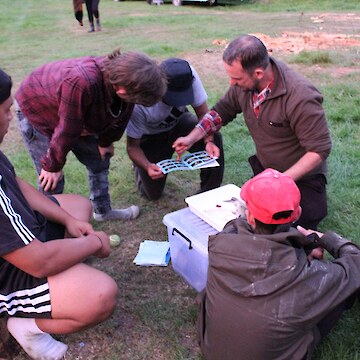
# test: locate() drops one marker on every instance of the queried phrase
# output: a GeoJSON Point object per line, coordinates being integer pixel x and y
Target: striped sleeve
{"type": "Point", "coordinates": [14, 219]}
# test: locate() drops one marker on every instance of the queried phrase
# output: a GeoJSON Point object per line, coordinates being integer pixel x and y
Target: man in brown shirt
{"type": "Point", "coordinates": [284, 114]}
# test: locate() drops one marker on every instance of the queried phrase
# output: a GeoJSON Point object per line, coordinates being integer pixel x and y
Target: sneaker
{"type": "Point", "coordinates": [129, 213]}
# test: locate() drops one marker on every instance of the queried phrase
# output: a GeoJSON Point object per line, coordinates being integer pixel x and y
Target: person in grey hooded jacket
{"type": "Point", "coordinates": [267, 295]}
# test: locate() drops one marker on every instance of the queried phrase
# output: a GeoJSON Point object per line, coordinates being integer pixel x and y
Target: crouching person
{"type": "Point", "coordinates": [44, 286]}
{"type": "Point", "coordinates": [267, 295]}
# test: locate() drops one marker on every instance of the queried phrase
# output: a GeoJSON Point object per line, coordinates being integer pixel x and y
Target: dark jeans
{"type": "Point", "coordinates": [159, 147]}
{"type": "Point", "coordinates": [313, 196]}
{"type": "Point", "coordinates": [85, 150]}
{"type": "Point", "coordinates": [92, 8]}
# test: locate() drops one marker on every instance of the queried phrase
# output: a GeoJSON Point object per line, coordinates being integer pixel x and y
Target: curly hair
{"type": "Point", "coordinates": [249, 51]}
{"type": "Point", "coordinates": [142, 78]}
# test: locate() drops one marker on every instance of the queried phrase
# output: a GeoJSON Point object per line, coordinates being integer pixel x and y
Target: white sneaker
{"type": "Point", "coordinates": [129, 213]}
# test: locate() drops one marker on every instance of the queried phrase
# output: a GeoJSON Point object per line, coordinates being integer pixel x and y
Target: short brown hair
{"type": "Point", "coordinates": [145, 83]}
{"type": "Point", "coordinates": [249, 51]}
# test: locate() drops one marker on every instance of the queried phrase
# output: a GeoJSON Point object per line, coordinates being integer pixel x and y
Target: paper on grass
{"type": "Point", "coordinates": [153, 253]}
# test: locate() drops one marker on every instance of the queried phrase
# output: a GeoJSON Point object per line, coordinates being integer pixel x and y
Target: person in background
{"type": "Point", "coordinates": [83, 105]}
{"type": "Point", "coordinates": [267, 296]}
{"type": "Point", "coordinates": [44, 286]}
{"type": "Point", "coordinates": [284, 114]}
{"type": "Point", "coordinates": [152, 130]}
{"type": "Point", "coordinates": [92, 7]}
{"type": "Point", "coordinates": [78, 11]}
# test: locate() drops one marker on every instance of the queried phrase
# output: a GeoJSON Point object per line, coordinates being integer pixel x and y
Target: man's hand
{"type": "Point", "coordinates": [106, 151]}
{"type": "Point", "coordinates": [181, 145]}
{"type": "Point", "coordinates": [105, 245]}
{"type": "Point", "coordinates": [184, 143]}
{"type": "Point", "coordinates": [78, 228]}
{"type": "Point", "coordinates": [49, 180]}
{"type": "Point", "coordinates": [212, 150]}
{"type": "Point", "coordinates": [154, 172]}
{"type": "Point", "coordinates": [307, 232]}
{"type": "Point", "coordinates": [317, 252]}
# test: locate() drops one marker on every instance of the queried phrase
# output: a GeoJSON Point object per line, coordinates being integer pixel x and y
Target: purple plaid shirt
{"type": "Point", "coordinates": [68, 98]}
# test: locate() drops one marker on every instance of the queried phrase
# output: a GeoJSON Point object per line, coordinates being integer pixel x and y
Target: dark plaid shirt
{"type": "Point", "coordinates": [67, 99]}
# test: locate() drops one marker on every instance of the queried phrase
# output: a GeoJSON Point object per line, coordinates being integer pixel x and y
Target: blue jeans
{"type": "Point", "coordinates": [85, 150]}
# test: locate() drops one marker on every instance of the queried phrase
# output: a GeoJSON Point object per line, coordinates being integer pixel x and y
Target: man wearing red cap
{"type": "Point", "coordinates": [265, 298]}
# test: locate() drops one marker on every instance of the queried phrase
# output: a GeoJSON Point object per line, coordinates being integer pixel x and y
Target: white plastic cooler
{"type": "Point", "coordinates": [189, 229]}
{"type": "Point", "coordinates": [188, 236]}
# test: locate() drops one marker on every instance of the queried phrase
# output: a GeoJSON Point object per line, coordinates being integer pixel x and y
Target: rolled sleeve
{"type": "Point", "coordinates": [210, 123]}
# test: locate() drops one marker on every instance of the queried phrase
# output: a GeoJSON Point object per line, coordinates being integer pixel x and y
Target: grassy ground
{"type": "Point", "coordinates": [156, 311]}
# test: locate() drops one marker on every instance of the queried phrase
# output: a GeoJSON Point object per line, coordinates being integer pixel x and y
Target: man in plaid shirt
{"type": "Point", "coordinates": [83, 105]}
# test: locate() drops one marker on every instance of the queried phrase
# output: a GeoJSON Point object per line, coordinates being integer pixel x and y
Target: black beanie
{"type": "Point", "coordinates": [5, 86]}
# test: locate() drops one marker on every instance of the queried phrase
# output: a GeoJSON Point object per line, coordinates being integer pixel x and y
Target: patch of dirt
{"type": "Point", "coordinates": [289, 42]}
{"type": "Point", "coordinates": [295, 42]}
{"type": "Point", "coordinates": [336, 17]}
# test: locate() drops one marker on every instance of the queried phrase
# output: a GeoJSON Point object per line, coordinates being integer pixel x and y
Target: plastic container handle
{"type": "Point", "coordinates": [187, 239]}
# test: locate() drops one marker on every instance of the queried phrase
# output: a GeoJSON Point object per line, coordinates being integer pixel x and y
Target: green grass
{"type": "Point", "coordinates": [312, 58]}
{"type": "Point", "coordinates": [303, 5]}
{"type": "Point", "coordinates": [156, 312]}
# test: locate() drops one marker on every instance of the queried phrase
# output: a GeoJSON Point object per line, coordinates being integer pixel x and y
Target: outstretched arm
{"type": "Point", "coordinates": [210, 123]}
{"type": "Point", "coordinates": [44, 259]}
{"type": "Point", "coordinates": [184, 143]}
{"type": "Point", "coordinates": [48, 180]}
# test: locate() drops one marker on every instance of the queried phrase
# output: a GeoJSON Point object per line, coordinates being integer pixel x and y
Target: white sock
{"type": "Point", "coordinates": [36, 343]}
{"type": "Point", "coordinates": [129, 213]}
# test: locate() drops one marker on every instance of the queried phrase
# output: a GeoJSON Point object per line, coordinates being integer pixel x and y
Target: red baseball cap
{"type": "Point", "coordinates": [269, 193]}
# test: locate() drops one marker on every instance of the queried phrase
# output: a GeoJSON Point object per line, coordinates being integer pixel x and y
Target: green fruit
{"type": "Point", "coordinates": [114, 240]}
